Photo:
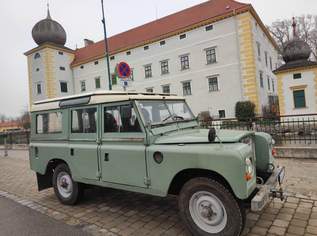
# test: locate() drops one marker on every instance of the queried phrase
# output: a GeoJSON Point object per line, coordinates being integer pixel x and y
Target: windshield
{"type": "Point", "coordinates": [161, 112]}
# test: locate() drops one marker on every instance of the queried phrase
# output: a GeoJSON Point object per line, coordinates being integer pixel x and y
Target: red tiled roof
{"type": "Point", "coordinates": [9, 124]}
{"type": "Point", "coordinates": [159, 29]}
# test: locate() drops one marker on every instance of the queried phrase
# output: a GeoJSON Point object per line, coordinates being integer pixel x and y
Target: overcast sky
{"type": "Point", "coordinates": [81, 19]}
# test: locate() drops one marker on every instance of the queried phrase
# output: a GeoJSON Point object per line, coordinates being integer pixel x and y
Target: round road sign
{"type": "Point", "coordinates": [124, 70]}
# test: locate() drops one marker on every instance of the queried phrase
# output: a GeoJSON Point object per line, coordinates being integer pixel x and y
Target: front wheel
{"type": "Point", "coordinates": [66, 189]}
{"type": "Point", "coordinates": [208, 209]}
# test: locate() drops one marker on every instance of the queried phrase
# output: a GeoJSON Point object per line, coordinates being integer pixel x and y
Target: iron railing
{"type": "Point", "coordinates": [288, 129]}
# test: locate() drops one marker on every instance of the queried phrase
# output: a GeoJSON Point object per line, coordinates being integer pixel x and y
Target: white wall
{"type": "Point", "coordinates": [37, 76]}
{"type": "Point", "coordinates": [223, 37]}
{"type": "Point", "coordinates": [288, 82]}
{"type": "Point", "coordinates": [266, 46]}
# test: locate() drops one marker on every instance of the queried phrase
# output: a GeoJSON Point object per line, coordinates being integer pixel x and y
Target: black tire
{"type": "Point", "coordinates": [235, 215]}
{"type": "Point", "coordinates": [77, 191]}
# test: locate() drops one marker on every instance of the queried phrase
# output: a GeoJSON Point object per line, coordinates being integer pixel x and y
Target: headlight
{"type": "Point", "coordinates": [249, 169]}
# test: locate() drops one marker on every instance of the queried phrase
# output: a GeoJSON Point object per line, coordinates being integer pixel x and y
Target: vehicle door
{"type": "Point", "coordinates": [83, 141]}
{"type": "Point", "coordinates": [123, 146]}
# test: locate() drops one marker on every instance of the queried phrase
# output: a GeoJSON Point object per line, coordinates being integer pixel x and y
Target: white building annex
{"type": "Point", "coordinates": [214, 54]}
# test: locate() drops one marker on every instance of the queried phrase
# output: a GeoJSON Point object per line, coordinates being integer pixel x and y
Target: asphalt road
{"type": "Point", "coordinates": [18, 220]}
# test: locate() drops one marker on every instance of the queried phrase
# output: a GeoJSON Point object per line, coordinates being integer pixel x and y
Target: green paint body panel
{"type": "Point", "coordinates": [125, 161]}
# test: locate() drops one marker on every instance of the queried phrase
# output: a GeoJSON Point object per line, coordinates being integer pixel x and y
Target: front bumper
{"type": "Point", "coordinates": [270, 189]}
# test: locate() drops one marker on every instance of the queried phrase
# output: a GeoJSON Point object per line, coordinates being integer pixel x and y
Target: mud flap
{"type": "Point", "coordinates": [44, 181]}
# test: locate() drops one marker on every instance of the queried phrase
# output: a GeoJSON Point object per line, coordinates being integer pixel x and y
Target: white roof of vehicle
{"type": "Point", "coordinates": [101, 97]}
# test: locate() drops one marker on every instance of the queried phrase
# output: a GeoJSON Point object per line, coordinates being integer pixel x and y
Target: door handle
{"type": "Point", "coordinates": [72, 151]}
{"type": "Point", "coordinates": [106, 157]}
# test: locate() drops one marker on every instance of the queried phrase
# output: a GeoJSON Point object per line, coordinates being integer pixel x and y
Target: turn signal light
{"type": "Point", "coordinates": [248, 177]}
{"type": "Point", "coordinates": [273, 152]}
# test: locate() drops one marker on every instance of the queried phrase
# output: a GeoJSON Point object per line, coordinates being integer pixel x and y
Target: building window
{"type": "Point", "coordinates": [132, 75]}
{"type": "Point", "coordinates": [166, 89]}
{"type": "Point", "coordinates": [128, 53]}
{"type": "Point", "coordinates": [62, 68]}
{"type": "Point", "coordinates": [112, 58]}
{"type": "Point", "coordinates": [299, 98]}
{"type": "Point", "coordinates": [81, 67]}
{"type": "Point", "coordinates": [271, 65]}
{"type": "Point", "coordinates": [182, 36]}
{"type": "Point", "coordinates": [213, 84]}
{"type": "Point", "coordinates": [266, 59]}
{"type": "Point", "coordinates": [258, 45]}
{"type": "Point", "coordinates": [187, 90]}
{"type": "Point", "coordinates": [297, 76]}
{"type": "Point", "coordinates": [148, 71]}
{"type": "Point", "coordinates": [38, 88]}
{"type": "Point", "coordinates": [60, 53]}
{"type": "Point", "coordinates": [37, 69]}
{"type": "Point", "coordinates": [261, 79]}
{"type": "Point", "coordinates": [146, 47]}
{"type": "Point", "coordinates": [83, 86]}
{"type": "Point", "coordinates": [211, 55]}
{"type": "Point", "coordinates": [149, 90]}
{"type": "Point", "coordinates": [222, 113]}
{"type": "Point", "coordinates": [162, 43]}
{"type": "Point", "coordinates": [268, 83]}
{"type": "Point", "coordinates": [97, 83]}
{"type": "Point", "coordinates": [37, 55]}
{"type": "Point", "coordinates": [96, 62]}
{"type": "Point", "coordinates": [114, 80]}
{"type": "Point", "coordinates": [63, 86]}
{"type": "Point", "coordinates": [209, 27]}
{"type": "Point", "coordinates": [184, 62]}
{"type": "Point", "coordinates": [164, 67]}
{"type": "Point", "coordinates": [273, 86]}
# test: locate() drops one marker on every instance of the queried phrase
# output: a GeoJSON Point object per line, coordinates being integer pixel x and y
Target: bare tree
{"type": "Point", "coordinates": [306, 29]}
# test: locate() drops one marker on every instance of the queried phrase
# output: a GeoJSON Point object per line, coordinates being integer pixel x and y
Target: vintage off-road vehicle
{"type": "Point", "coordinates": [153, 144]}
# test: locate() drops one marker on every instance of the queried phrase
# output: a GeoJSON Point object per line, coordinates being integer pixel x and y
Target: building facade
{"type": "Point", "coordinates": [214, 54]}
{"type": "Point", "coordinates": [297, 79]}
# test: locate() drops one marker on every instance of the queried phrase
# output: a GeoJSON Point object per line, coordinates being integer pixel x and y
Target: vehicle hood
{"type": "Point", "coordinates": [201, 136]}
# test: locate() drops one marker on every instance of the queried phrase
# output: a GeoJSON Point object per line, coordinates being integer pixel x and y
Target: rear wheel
{"type": "Point", "coordinates": [208, 208]}
{"type": "Point", "coordinates": [66, 189]}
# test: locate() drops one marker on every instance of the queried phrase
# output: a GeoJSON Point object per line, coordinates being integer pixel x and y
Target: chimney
{"type": "Point", "coordinates": [88, 42]}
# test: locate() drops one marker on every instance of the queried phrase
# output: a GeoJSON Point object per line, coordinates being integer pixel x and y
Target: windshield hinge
{"type": "Point", "coordinates": [147, 181]}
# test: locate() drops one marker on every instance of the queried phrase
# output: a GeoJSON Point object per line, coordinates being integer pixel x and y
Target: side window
{"type": "Point", "coordinates": [49, 123]}
{"type": "Point", "coordinates": [121, 119]}
{"type": "Point", "coordinates": [84, 120]}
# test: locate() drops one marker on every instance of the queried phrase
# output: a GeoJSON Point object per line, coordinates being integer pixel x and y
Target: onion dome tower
{"type": "Point", "coordinates": [296, 49]}
{"type": "Point", "coordinates": [49, 31]}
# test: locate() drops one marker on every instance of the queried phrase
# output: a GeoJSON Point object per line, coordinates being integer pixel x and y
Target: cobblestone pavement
{"type": "Point", "coordinates": [113, 212]}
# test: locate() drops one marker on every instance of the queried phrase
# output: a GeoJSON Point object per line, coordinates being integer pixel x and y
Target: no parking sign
{"type": "Point", "coordinates": [124, 70]}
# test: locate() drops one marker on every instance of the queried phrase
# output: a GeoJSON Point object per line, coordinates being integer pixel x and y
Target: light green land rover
{"type": "Point", "coordinates": [152, 144]}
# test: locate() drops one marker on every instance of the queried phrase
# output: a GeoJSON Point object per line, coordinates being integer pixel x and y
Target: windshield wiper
{"type": "Point", "coordinates": [174, 117]}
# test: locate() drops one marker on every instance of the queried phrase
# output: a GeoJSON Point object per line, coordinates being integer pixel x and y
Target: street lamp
{"type": "Point", "coordinates": [106, 45]}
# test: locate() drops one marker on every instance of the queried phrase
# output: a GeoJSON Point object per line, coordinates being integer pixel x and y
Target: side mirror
{"type": "Point", "coordinates": [212, 135]}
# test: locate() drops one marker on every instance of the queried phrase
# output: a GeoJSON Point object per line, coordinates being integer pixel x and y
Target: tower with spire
{"type": "Point", "coordinates": [49, 62]}
{"type": "Point", "coordinates": [297, 78]}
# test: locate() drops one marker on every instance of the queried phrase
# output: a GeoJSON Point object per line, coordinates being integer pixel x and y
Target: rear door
{"type": "Point", "coordinates": [123, 146]}
{"type": "Point", "coordinates": [83, 138]}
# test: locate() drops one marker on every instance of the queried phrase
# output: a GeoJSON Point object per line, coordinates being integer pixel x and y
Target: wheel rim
{"type": "Point", "coordinates": [208, 212]}
{"type": "Point", "coordinates": [64, 184]}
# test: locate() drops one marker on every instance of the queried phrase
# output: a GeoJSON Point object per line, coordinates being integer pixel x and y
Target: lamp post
{"type": "Point", "coordinates": [106, 45]}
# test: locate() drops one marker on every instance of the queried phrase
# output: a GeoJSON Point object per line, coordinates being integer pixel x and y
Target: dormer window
{"type": "Point", "coordinates": [37, 55]}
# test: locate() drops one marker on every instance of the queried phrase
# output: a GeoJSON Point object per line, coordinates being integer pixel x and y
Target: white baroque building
{"type": "Point", "coordinates": [214, 54]}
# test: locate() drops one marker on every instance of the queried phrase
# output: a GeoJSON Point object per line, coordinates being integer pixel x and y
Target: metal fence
{"type": "Point", "coordinates": [15, 137]}
{"type": "Point", "coordinates": [289, 129]}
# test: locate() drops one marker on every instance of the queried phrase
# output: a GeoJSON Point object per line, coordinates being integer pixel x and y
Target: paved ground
{"type": "Point", "coordinates": [113, 212]}
{"type": "Point", "coordinates": [15, 220]}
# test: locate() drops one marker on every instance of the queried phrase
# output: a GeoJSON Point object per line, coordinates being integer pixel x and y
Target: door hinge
{"type": "Point", "coordinates": [98, 175]}
{"type": "Point", "coordinates": [147, 181]}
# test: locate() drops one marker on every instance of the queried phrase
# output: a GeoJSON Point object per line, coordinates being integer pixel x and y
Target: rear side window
{"type": "Point", "coordinates": [84, 120]}
{"type": "Point", "coordinates": [121, 119]}
{"type": "Point", "coordinates": [49, 123]}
